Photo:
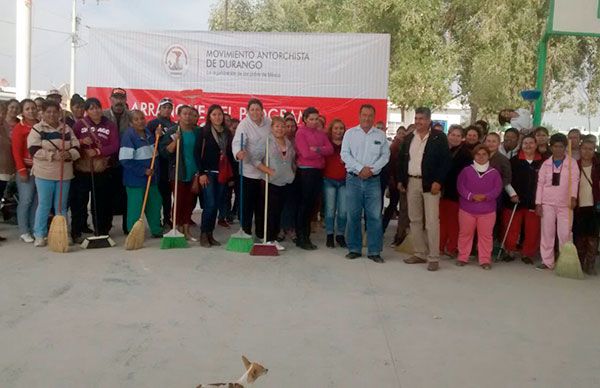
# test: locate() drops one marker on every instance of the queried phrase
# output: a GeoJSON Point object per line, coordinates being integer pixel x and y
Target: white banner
{"type": "Point", "coordinates": [279, 64]}
{"type": "Point", "coordinates": [576, 16]}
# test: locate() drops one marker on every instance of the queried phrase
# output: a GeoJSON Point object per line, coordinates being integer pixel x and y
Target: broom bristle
{"type": "Point", "coordinates": [136, 236]}
{"type": "Point", "coordinates": [173, 239]}
{"type": "Point", "coordinates": [239, 242]}
{"type": "Point", "coordinates": [568, 265]}
{"type": "Point", "coordinates": [58, 238]}
{"type": "Point", "coordinates": [264, 250]}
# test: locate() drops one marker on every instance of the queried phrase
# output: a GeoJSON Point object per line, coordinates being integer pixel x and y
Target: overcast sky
{"type": "Point", "coordinates": [51, 49]}
{"type": "Point", "coordinates": [52, 26]}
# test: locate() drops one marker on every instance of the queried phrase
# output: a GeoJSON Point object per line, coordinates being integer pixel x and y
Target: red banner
{"type": "Point", "coordinates": [235, 104]}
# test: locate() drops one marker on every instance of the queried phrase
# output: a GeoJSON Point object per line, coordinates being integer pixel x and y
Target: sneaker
{"type": "Point", "coordinates": [39, 242]}
{"type": "Point", "coordinates": [278, 245]}
{"type": "Point", "coordinates": [27, 238]}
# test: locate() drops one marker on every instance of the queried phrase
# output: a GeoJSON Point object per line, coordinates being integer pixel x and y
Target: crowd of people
{"type": "Point", "coordinates": [515, 187]}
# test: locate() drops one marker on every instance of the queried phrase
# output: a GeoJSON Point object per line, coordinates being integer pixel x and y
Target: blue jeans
{"type": "Point", "coordinates": [214, 201]}
{"type": "Point", "coordinates": [48, 194]}
{"type": "Point", "coordinates": [27, 204]}
{"type": "Point", "coordinates": [334, 196]}
{"type": "Point", "coordinates": [364, 194]}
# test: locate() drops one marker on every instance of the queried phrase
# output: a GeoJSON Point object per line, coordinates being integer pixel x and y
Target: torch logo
{"type": "Point", "coordinates": [176, 60]}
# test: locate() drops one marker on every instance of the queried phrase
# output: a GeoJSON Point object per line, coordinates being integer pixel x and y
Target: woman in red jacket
{"type": "Point", "coordinates": [23, 163]}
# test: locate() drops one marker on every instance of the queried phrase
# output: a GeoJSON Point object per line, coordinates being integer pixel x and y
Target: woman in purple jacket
{"type": "Point", "coordinates": [479, 186]}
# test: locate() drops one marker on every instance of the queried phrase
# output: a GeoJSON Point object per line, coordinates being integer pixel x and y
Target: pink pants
{"type": "Point", "coordinates": [551, 217]}
{"type": "Point", "coordinates": [484, 224]}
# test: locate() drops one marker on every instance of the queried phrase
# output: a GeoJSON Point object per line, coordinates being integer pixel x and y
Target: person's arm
{"type": "Point", "coordinates": [75, 149]}
{"type": "Point", "coordinates": [199, 150]}
{"type": "Point", "coordinates": [164, 144]}
{"type": "Point", "coordinates": [384, 157]}
{"type": "Point", "coordinates": [444, 159]}
{"type": "Point", "coordinates": [461, 185]}
{"type": "Point", "coordinates": [327, 148]}
{"type": "Point", "coordinates": [111, 146]}
{"type": "Point", "coordinates": [541, 183]}
{"type": "Point", "coordinates": [346, 155]}
{"type": "Point", "coordinates": [18, 143]}
{"type": "Point", "coordinates": [495, 189]}
{"type": "Point", "coordinates": [575, 178]}
{"type": "Point", "coordinates": [36, 148]}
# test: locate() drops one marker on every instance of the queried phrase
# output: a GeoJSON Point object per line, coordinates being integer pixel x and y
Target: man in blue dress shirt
{"type": "Point", "coordinates": [365, 151]}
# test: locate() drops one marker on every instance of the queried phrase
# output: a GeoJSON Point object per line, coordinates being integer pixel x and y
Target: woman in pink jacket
{"type": "Point", "coordinates": [312, 146]}
{"type": "Point", "coordinates": [479, 186]}
{"type": "Point", "coordinates": [552, 198]}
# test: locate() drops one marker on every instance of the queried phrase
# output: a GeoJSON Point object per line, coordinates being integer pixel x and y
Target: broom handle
{"type": "Point", "coordinates": [569, 153]}
{"type": "Point", "coordinates": [176, 179]}
{"type": "Point", "coordinates": [240, 210]}
{"type": "Point", "coordinates": [266, 195]}
{"type": "Point", "coordinates": [94, 197]}
{"type": "Point", "coordinates": [62, 171]}
{"type": "Point", "coordinates": [149, 181]}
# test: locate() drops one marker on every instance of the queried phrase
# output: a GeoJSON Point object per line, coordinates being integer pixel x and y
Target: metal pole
{"type": "Point", "coordinates": [74, 39]}
{"type": "Point", "coordinates": [541, 72]}
{"type": "Point", "coordinates": [226, 15]}
{"type": "Point", "coordinates": [23, 49]}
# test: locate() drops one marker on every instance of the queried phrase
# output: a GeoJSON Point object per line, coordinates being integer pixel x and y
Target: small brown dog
{"type": "Point", "coordinates": [253, 372]}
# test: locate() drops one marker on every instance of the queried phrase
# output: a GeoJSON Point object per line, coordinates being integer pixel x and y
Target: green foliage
{"type": "Point", "coordinates": [481, 51]}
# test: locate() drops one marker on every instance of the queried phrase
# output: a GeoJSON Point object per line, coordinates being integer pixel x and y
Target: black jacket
{"type": "Point", "coordinates": [436, 160]}
{"type": "Point", "coordinates": [524, 180]}
{"type": "Point", "coordinates": [208, 159]}
{"type": "Point", "coordinates": [461, 158]}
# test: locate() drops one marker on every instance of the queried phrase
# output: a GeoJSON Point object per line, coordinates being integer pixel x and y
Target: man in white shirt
{"type": "Point", "coordinates": [365, 151]}
{"type": "Point", "coordinates": [424, 162]}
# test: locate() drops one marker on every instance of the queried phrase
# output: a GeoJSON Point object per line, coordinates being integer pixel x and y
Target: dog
{"type": "Point", "coordinates": [253, 371]}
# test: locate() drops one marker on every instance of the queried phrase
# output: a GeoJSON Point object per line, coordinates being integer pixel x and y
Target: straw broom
{"type": "Point", "coordinates": [58, 239]}
{"type": "Point", "coordinates": [136, 236]}
{"type": "Point", "coordinates": [175, 239]}
{"type": "Point", "coordinates": [568, 264]}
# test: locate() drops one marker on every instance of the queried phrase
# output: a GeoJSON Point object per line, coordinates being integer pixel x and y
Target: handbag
{"type": "Point", "coordinates": [225, 170]}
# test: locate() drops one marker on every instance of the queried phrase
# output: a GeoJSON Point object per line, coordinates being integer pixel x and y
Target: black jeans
{"type": "Point", "coordinates": [81, 187]}
{"type": "Point", "coordinates": [310, 183]}
{"type": "Point", "coordinates": [277, 198]}
{"type": "Point", "coordinates": [253, 206]}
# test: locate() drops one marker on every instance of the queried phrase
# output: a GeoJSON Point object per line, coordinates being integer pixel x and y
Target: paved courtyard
{"type": "Point", "coordinates": [177, 318]}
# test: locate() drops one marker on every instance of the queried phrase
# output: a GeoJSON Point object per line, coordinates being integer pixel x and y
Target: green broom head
{"type": "Point", "coordinates": [240, 242]}
{"type": "Point", "coordinates": [173, 239]}
{"type": "Point", "coordinates": [568, 265]}
{"type": "Point", "coordinates": [136, 236]}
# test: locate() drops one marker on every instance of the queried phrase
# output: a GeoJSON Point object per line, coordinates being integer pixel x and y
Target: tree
{"type": "Point", "coordinates": [483, 52]}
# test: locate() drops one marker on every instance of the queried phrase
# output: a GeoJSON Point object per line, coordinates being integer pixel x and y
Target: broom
{"type": "Point", "coordinates": [96, 241]}
{"type": "Point", "coordinates": [568, 264]}
{"type": "Point", "coordinates": [58, 240]}
{"type": "Point", "coordinates": [265, 249]}
{"type": "Point", "coordinates": [135, 238]}
{"type": "Point", "coordinates": [175, 239]}
{"type": "Point", "coordinates": [240, 241]}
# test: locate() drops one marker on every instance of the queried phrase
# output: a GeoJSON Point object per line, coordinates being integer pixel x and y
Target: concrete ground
{"type": "Point", "coordinates": [177, 318]}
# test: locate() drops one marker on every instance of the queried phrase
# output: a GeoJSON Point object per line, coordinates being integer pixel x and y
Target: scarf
{"type": "Point", "coordinates": [481, 168]}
